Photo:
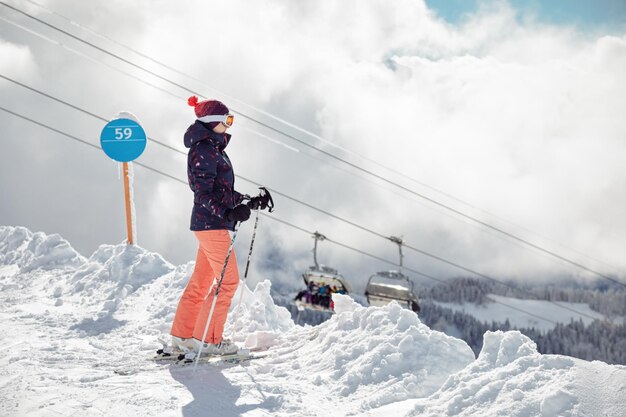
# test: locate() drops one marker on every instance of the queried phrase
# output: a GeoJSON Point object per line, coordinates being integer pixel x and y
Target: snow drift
{"type": "Point", "coordinates": [515, 380]}
{"type": "Point", "coordinates": [69, 322]}
{"type": "Point", "coordinates": [21, 248]}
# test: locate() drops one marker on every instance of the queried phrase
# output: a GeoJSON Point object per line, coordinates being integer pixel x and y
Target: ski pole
{"type": "Point", "coordinates": [217, 290]}
{"type": "Point", "coordinates": [269, 204]}
{"type": "Point", "coordinates": [245, 275]}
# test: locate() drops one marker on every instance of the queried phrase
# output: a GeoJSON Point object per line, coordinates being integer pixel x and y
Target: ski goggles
{"type": "Point", "coordinates": [226, 119]}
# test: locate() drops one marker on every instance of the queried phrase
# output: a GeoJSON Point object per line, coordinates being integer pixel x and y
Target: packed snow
{"type": "Point", "coordinates": [71, 325]}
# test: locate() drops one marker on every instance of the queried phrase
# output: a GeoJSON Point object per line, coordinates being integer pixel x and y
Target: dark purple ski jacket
{"type": "Point", "coordinates": [211, 178]}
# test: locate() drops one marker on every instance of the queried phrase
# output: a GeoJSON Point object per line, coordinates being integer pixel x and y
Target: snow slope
{"type": "Point", "coordinates": [500, 312]}
{"type": "Point", "coordinates": [70, 322]}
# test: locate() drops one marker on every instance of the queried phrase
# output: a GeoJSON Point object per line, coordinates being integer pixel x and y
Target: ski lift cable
{"type": "Point", "coordinates": [485, 276]}
{"type": "Point", "coordinates": [87, 57]}
{"type": "Point", "coordinates": [271, 217]}
{"type": "Point", "coordinates": [331, 155]}
{"type": "Point", "coordinates": [400, 243]}
{"type": "Point", "coordinates": [362, 252]}
{"type": "Point", "coordinates": [86, 142]}
{"type": "Point", "coordinates": [415, 249]}
{"type": "Point", "coordinates": [155, 170]}
{"type": "Point", "coordinates": [89, 113]}
{"type": "Point", "coordinates": [255, 132]}
{"type": "Point", "coordinates": [286, 196]}
{"type": "Point", "coordinates": [241, 125]}
{"type": "Point", "coordinates": [546, 251]}
{"type": "Point", "coordinates": [294, 126]}
{"type": "Point", "coordinates": [275, 191]}
{"type": "Point", "coordinates": [83, 110]}
{"type": "Point", "coordinates": [393, 239]}
{"type": "Point", "coordinates": [231, 98]}
{"type": "Point", "coordinates": [183, 153]}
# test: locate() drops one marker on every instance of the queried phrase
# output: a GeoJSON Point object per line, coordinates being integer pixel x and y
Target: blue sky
{"type": "Point", "coordinates": [602, 15]}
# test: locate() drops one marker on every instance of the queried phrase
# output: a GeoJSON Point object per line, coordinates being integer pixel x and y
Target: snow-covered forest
{"type": "Point", "coordinates": [601, 339]}
{"type": "Point", "coordinates": [607, 300]}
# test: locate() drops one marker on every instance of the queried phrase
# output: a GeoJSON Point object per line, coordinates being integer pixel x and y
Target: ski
{"type": "Point", "coordinates": [233, 358]}
{"type": "Point", "coordinates": [179, 357]}
{"type": "Point", "coordinates": [175, 361]}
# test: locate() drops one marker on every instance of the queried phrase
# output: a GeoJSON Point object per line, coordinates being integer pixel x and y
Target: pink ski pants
{"type": "Point", "coordinates": [194, 306]}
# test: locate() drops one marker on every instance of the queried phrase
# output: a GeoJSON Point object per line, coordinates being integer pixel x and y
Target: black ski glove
{"type": "Point", "coordinates": [262, 201]}
{"type": "Point", "coordinates": [259, 202]}
{"type": "Point", "coordinates": [239, 213]}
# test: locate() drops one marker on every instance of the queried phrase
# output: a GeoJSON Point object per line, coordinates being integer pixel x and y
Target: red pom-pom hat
{"type": "Point", "coordinates": [207, 108]}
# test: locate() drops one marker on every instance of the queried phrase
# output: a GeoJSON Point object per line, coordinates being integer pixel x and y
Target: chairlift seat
{"type": "Point", "coordinates": [328, 276]}
{"type": "Point", "coordinates": [386, 286]}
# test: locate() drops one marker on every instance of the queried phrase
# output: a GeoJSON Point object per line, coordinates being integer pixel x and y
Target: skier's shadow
{"type": "Point", "coordinates": [213, 394]}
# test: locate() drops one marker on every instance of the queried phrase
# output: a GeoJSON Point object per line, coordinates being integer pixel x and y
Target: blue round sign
{"type": "Point", "coordinates": [123, 140]}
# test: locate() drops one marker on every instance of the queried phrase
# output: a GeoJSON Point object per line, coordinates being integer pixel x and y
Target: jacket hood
{"type": "Point", "coordinates": [198, 132]}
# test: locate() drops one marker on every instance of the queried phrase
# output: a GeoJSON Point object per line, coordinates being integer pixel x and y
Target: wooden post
{"type": "Point", "coordinates": [129, 223]}
{"type": "Point", "coordinates": [124, 140]}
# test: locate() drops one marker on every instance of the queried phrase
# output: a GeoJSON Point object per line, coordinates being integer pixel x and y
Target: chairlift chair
{"type": "Point", "coordinates": [320, 275]}
{"type": "Point", "coordinates": [386, 286]}
{"type": "Point", "coordinates": [329, 276]}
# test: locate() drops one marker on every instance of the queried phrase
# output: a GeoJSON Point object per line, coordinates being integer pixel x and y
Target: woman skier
{"type": "Point", "coordinates": [217, 208]}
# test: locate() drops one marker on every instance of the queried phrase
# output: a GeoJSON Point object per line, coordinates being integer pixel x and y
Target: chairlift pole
{"type": "Point", "coordinates": [317, 236]}
{"type": "Point", "coordinates": [399, 242]}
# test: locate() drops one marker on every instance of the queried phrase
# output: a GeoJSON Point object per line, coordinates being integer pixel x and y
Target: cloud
{"type": "Point", "coordinates": [518, 118]}
{"type": "Point", "coordinates": [16, 59]}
